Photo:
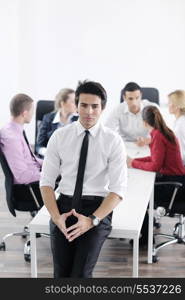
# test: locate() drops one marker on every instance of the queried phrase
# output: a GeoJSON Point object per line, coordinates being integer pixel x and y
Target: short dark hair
{"type": "Point", "coordinates": [91, 87]}
{"type": "Point", "coordinates": [19, 103]}
{"type": "Point", "coordinates": [130, 87]}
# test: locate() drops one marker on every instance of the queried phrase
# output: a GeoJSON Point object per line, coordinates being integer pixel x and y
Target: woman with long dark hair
{"type": "Point", "coordinates": [165, 155]}
{"type": "Point", "coordinates": [165, 159]}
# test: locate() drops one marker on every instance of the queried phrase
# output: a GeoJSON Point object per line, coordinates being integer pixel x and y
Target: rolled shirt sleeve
{"type": "Point", "coordinates": [51, 164]}
{"type": "Point", "coordinates": [117, 168]}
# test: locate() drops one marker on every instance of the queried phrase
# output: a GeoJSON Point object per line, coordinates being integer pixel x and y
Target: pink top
{"type": "Point", "coordinates": [24, 166]}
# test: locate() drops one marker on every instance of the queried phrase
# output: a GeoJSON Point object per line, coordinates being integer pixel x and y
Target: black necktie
{"type": "Point", "coordinates": [76, 202]}
{"type": "Point", "coordinates": [25, 137]}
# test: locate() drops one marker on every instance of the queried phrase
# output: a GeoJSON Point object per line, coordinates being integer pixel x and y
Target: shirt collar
{"type": "Point", "coordinates": [57, 117]}
{"type": "Point", "coordinates": [19, 127]}
{"type": "Point", "coordinates": [93, 130]}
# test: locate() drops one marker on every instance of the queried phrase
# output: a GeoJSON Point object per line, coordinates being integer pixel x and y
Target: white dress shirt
{"type": "Point", "coordinates": [127, 124]}
{"type": "Point", "coordinates": [179, 129]}
{"type": "Point", "coordinates": [106, 169]}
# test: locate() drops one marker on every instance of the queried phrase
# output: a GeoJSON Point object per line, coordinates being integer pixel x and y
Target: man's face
{"type": "Point", "coordinates": [89, 109]}
{"type": "Point", "coordinates": [28, 114]}
{"type": "Point", "coordinates": [133, 100]}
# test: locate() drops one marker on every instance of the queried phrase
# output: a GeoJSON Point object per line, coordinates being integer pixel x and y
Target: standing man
{"type": "Point", "coordinates": [127, 119]}
{"type": "Point", "coordinates": [25, 166]}
{"type": "Point", "coordinates": [92, 162]}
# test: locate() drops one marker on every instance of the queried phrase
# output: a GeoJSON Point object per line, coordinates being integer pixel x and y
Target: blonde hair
{"type": "Point", "coordinates": [62, 96]}
{"type": "Point", "coordinates": [178, 99]}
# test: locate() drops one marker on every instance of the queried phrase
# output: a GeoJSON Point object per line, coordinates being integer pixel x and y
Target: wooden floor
{"type": "Point", "coordinates": [115, 259]}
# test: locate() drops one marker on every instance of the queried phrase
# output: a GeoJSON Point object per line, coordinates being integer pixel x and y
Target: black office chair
{"type": "Point", "coordinates": [43, 107]}
{"type": "Point", "coordinates": [174, 207]}
{"type": "Point", "coordinates": [20, 197]}
{"type": "Point", "coordinates": [149, 93]}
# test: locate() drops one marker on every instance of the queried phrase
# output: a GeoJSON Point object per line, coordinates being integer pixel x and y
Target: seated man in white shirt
{"type": "Point", "coordinates": [126, 118]}
{"type": "Point", "coordinates": [92, 161]}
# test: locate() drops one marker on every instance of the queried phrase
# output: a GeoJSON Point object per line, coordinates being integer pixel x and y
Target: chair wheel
{"type": "Point", "coordinates": [27, 257]}
{"type": "Point", "coordinates": [157, 225]}
{"type": "Point", "coordinates": [27, 250]}
{"type": "Point", "coordinates": [176, 229]}
{"type": "Point", "coordinates": [155, 258]}
{"type": "Point", "coordinates": [3, 246]}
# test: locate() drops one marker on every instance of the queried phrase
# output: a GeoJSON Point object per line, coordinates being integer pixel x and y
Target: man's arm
{"type": "Point", "coordinates": [107, 206]}
{"type": "Point", "coordinates": [85, 223]}
{"type": "Point", "coordinates": [50, 171]}
{"type": "Point", "coordinates": [48, 196]}
{"type": "Point", "coordinates": [141, 141]}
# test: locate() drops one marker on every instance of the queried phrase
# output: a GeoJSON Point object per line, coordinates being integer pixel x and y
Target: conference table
{"type": "Point", "coordinates": [127, 218]}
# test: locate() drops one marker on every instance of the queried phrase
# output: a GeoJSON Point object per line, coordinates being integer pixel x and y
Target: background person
{"type": "Point", "coordinates": [176, 104]}
{"type": "Point", "coordinates": [126, 118]}
{"type": "Point", "coordinates": [165, 159]}
{"type": "Point", "coordinates": [65, 113]}
{"type": "Point", "coordinates": [24, 165]}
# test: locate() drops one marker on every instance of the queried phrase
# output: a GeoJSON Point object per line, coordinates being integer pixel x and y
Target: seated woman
{"type": "Point", "coordinates": [165, 158]}
{"type": "Point", "coordinates": [176, 104]}
{"type": "Point", "coordinates": [65, 113]}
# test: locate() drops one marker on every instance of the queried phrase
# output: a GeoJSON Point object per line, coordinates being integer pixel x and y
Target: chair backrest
{"type": "Point", "coordinates": [8, 183]}
{"type": "Point", "coordinates": [43, 107]}
{"type": "Point", "coordinates": [149, 93]}
{"type": "Point", "coordinates": [18, 196]}
{"type": "Point", "coordinates": [174, 203]}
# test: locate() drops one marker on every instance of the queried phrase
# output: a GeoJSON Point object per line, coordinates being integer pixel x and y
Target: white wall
{"type": "Point", "coordinates": [9, 55]}
{"type": "Point", "coordinates": [111, 41]}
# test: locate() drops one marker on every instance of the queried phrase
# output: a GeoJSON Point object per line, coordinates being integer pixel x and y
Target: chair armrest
{"type": "Point", "coordinates": [27, 184]}
{"type": "Point", "coordinates": [173, 183]}
{"type": "Point", "coordinates": [176, 186]}
{"type": "Point", "coordinates": [33, 183]}
{"type": "Point", "coordinates": [30, 186]}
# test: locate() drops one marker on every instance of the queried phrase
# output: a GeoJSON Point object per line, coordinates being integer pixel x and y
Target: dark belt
{"type": "Point", "coordinates": [90, 198]}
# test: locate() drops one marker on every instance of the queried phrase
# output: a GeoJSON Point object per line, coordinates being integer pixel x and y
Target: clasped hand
{"type": "Point", "coordinates": [82, 225]}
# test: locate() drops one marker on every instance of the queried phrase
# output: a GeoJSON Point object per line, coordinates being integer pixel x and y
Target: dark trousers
{"type": "Point", "coordinates": [78, 258]}
{"type": "Point", "coordinates": [162, 197]}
